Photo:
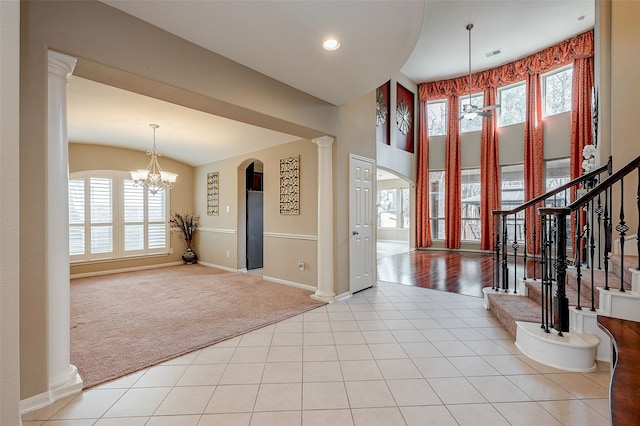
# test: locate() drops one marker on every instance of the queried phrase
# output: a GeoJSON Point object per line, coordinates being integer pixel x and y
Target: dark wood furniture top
{"type": "Point", "coordinates": [624, 391]}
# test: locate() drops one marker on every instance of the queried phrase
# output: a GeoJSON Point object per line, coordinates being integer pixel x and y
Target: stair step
{"type": "Point", "coordinates": [629, 263]}
{"type": "Point", "coordinates": [571, 352]}
{"type": "Point", "coordinates": [510, 308]}
{"type": "Point", "coordinates": [534, 291]}
{"type": "Point", "coordinates": [585, 285]}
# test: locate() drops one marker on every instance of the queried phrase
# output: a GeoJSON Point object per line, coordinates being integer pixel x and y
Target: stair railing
{"type": "Point", "coordinates": [510, 231]}
{"type": "Point", "coordinates": [596, 202]}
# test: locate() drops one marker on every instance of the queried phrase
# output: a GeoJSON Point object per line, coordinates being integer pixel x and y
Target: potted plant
{"type": "Point", "coordinates": [186, 224]}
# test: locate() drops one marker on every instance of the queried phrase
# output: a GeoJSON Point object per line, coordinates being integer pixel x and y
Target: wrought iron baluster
{"type": "Point", "coordinates": [622, 229]}
{"type": "Point", "coordinates": [577, 257]}
{"type": "Point", "coordinates": [561, 322]}
{"type": "Point", "coordinates": [496, 230]}
{"type": "Point", "coordinates": [535, 245]}
{"type": "Point", "coordinates": [505, 267]}
{"type": "Point", "coordinates": [607, 235]}
{"type": "Point", "coordinates": [515, 247]}
{"type": "Point", "coordinates": [599, 211]}
{"type": "Point", "coordinates": [592, 248]}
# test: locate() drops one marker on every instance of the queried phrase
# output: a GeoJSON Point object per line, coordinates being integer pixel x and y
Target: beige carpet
{"type": "Point", "coordinates": [125, 322]}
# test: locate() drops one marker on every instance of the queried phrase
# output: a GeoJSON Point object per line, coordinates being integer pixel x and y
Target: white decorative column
{"type": "Point", "coordinates": [63, 377]}
{"type": "Point", "coordinates": [325, 291]}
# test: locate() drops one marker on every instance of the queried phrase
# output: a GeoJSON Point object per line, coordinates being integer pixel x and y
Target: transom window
{"type": "Point", "coordinates": [475, 124]}
{"type": "Point", "coordinates": [110, 217]}
{"type": "Point", "coordinates": [556, 87]}
{"type": "Point", "coordinates": [512, 100]}
{"type": "Point", "coordinates": [437, 117]}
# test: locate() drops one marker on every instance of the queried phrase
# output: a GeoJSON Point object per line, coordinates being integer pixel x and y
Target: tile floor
{"type": "Point", "coordinates": [391, 355]}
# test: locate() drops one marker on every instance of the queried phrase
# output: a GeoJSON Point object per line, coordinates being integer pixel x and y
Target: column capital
{"type": "Point", "coordinates": [323, 141]}
{"type": "Point", "coordinates": [60, 64]}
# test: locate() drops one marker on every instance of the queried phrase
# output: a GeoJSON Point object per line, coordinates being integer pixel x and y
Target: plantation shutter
{"type": "Point", "coordinates": [76, 218]}
{"type": "Point", "coordinates": [101, 207]}
{"type": "Point", "coordinates": [133, 216]}
{"type": "Point", "coordinates": [157, 219]}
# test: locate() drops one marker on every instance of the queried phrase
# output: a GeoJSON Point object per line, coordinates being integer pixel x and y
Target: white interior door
{"type": "Point", "coordinates": [361, 223]}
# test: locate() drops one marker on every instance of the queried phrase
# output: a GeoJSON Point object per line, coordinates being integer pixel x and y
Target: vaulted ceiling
{"type": "Point", "coordinates": [424, 40]}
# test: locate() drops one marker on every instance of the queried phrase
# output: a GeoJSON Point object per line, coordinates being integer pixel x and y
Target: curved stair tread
{"type": "Point", "coordinates": [511, 308]}
{"type": "Point", "coordinates": [624, 391]}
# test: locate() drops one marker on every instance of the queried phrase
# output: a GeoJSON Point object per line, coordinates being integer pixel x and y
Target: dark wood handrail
{"type": "Point", "coordinates": [598, 189]}
{"type": "Point", "coordinates": [570, 184]}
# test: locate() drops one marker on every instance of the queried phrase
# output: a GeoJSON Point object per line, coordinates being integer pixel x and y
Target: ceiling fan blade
{"type": "Point", "coordinates": [488, 107]}
{"type": "Point", "coordinates": [484, 114]}
{"type": "Point", "coordinates": [461, 118]}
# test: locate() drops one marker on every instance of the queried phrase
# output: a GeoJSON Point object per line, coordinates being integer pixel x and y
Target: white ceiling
{"type": "Point", "coordinates": [425, 40]}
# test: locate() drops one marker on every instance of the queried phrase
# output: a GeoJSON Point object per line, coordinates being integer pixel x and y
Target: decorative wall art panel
{"type": "Point", "coordinates": [382, 114]}
{"type": "Point", "coordinates": [404, 119]}
{"type": "Point", "coordinates": [212, 193]}
{"type": "Point", "coordinates": [290, 185]}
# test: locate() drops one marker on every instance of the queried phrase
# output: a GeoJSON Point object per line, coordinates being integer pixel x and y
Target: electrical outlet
{"type": "Point", "coordinates": [227, 253]}
{"type": "Point", "coordinates": [171, 250]}
{"type": "Point", "coordinates": [301, 265]}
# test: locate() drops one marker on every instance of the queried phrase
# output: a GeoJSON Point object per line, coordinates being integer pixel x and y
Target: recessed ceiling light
{"type": "Point", "coordinates": [331, 44]}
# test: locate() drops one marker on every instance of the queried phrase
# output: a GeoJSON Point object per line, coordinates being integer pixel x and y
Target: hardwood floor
{"type": "Point", "coordinates": [454, 272]}
{"type": "Point", "coordinates": [451, 271]}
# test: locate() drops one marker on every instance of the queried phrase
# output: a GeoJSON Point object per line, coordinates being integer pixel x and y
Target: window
{"type": "Point", "coordinates": [436, 204]}
{"type": "Point", "coordinates": [557, 173]}
{"type": "Point", "coordinates": [387, 212]}
{"type": "Point", "coordinates": [111, 218]}
{"type": "Point", "coordinates": [470, 193]}
{"type": "Point", "coordinates": [512, 178]}
{"type": "Point", "coordinates": [436, 117]}
{"type": "Point", "coordinates": [512, 196]}
{"type": "Point", "coordinates": [512, 100]}
{"type": "Point", "coordinates": [556, 87]}
{"type": "Point", "coordinates": [393, 212]}
{"type": "Point", "coordinates": [475, 124]}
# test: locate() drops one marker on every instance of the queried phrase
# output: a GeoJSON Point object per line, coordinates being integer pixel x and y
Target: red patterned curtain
{"type": "Point", "coordinates": [533, 153]}
{"type": "Point", "coordinates": [423, 225]}
{"type": "Point", "coordinates": [581, 133]}
{"type": "Point", "coordinates": [490, 188]}
{"type": "Point", "coordinates": [529, 69]}
{"type": "Point", "coordinates": [453, 197]}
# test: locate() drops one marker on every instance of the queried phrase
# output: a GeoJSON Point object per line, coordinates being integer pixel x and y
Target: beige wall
{"type": "Point", "coordinates": [356, 135]}
{"type": "Point", "coordinates": [99, 157]}
{"type": "Point", "coordinates": [625, 87]}
{"type": "Point", "coordinates": [154, 63]}
{"type": "Point", "coordinates": [9, 213]}
{"type": "Point", "coordinates": [288, 238]}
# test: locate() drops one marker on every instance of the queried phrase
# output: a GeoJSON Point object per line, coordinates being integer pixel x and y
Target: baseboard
{"type": "Point", "coordinates": [344, 295]}
{"type": "Point", "coordinates": [133, 268]}
{"type": "Point", "coordinates": [224, 268]}
{"type": "Point", "coordinates": [289, 283]}
{"type": "Point", "coordinates": [70, 385]}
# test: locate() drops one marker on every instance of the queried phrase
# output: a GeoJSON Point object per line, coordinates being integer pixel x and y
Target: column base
{"type": "Point", "coordinates": [69, 384]}
{"type": "Point", "coordinates": [324, 297]}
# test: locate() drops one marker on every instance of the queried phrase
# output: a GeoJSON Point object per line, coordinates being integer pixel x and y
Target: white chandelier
{"type": "Point", "coordinates": [153, 177]}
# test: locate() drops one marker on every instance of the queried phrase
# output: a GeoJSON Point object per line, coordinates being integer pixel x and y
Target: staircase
{"type": "Point", "coordinates": [552, 311]}
{"type": "Point", "coordinates": [577, 350]}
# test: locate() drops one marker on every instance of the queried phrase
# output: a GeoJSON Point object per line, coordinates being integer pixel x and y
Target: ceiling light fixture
{"type": "Point", "coordinates": [153, 177]}
{"type": "Point", "coordinates": [331, 44]}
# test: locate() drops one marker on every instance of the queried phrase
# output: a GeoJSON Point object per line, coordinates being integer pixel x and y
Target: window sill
{"type": "Point", "coordinates": [118, 259]}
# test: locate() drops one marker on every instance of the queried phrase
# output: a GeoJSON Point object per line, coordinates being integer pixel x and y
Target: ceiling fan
{"type": "Point", "coordinates": [469, 111]}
